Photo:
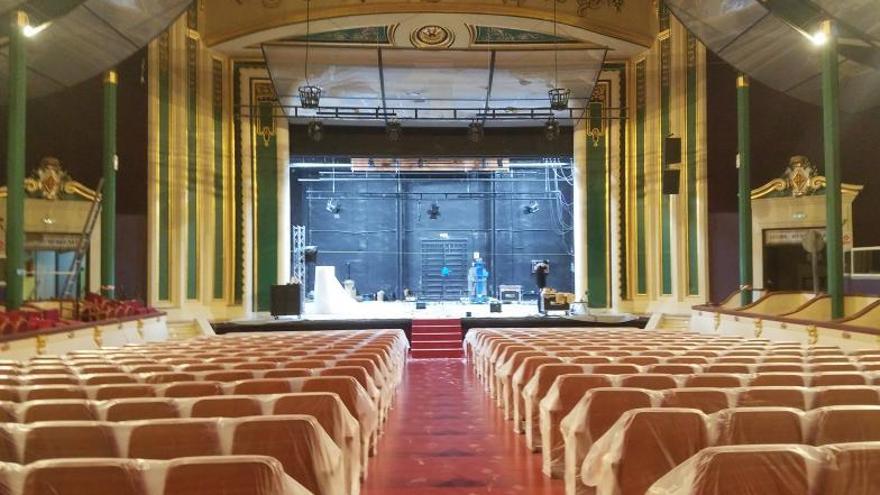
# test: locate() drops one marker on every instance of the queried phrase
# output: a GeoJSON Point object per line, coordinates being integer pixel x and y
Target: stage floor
{"type": "Point", "coordinates": [399, 314]}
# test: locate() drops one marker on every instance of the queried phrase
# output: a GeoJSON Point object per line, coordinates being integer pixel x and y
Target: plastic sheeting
{"type": "Point", "coordinates": [304, 449]}
{"type": "Point", "coordinates": [747, 470]}
{"type": "Point", "coordinates": [255, 475]}
{"type": "Point", "coordinates": [759, 38]}
{"type": "Point", "coordinates": [330, 296]}
{"type": "Point", "coordinates": [93, 37]}
{"type": "Point", "coordinates": [641, 447]}
{"type": "Point", "coordinates": [594, 414]}
{"type": "Point", "coordinates": [438, 87]}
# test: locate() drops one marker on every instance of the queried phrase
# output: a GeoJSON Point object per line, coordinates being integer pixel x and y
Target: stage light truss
{"type": "Point", "coordinates": [298, 243]}
{"type": "Point", "coordinates": [327, 113]}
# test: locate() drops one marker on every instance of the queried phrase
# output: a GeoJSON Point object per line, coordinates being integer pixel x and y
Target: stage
{"type": "Point", "coordinates": [401, 314]}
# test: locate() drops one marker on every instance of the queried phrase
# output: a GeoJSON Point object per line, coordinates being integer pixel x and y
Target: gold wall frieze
{"type": "Point", "coordinates": [629, 20]}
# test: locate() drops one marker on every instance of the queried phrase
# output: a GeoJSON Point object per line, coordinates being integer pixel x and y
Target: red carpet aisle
{"type": "Point", "coordinates": [445, 437]}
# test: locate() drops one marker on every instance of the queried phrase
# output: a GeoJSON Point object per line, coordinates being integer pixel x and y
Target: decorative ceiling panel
{"type": "Point", "coordinates": [436, 87]}
{"type": "Point", "coordinates": [770, 41]}
{"type": "Point", "coordinates": [92, 37]}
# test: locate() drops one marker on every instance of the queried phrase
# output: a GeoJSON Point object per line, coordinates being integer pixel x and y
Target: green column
{"type": "Point", "coordinates": [108, 203]}
{"type": "Point", "coordinates": [15, 148]}
{"type": "Point", "coordinates": [745, 188]}
{"type": "Point", "coordinates": [831, 131]}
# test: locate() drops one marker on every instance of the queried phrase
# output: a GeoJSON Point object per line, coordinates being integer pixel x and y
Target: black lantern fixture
{"type": "Point", "coordinates": [551, 129]}
{"type": "Point", "coordinates": [316, 130]}
{"type": "Point", "coordinates": [558, 96]}
{"type": "Point", "coordinates": [309, 94]}
{"type": "Point", "coordinates": [393, 130]}
{"type": "Point", "coordinates": [475, 131]}
{"type": "Point", "coordinates": [434, 211]}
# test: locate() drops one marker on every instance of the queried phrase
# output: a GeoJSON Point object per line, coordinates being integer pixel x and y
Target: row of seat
{"type": "Point", "coordinates": [844, 469]}
{"type": "Point", "coordinates": [645, 444]}
{"type": "Point", "coordinates": [300, 444]}
{"type": "Point", "coordinates": [253, 475]}
{"type": "Point", "coordinates": [565, 439]}
{"type": "Point", "coordinates": [327, 408]}
{"type": "Point", "coordinates": [555, 393]}
{"type": "Point", "coordinates": [347, 375]}
{"type": "Point", "coordinates": [523, 389]}
{"type": "Point", "coordinates": [564, 399]}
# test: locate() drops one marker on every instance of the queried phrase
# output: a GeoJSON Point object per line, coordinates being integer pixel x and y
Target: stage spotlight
{"type": "Point", "coordinates": [316, 130]}
{"type": "Point", "coordinates": [532, 207]}
{"type": "Point", "coordinates": [393, 130]}
{"type": "Point", "coordinates": [551, 129]}
{"type": "Point", "coordinates": [818, 38]}
{"type": "Point", "coordinates": [434, 211]}
{"type": "Point", "coordinates": [475, 132]}
{"type": "Point", "coordinates": [333, 207]}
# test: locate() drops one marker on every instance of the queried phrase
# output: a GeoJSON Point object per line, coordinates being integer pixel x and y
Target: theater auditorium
{"type": "Point", "coordinates": [439, 247]}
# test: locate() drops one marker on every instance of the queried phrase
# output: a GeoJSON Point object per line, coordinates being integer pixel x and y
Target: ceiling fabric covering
{"type": "Point", "coordinates": [92, 37]}
{"type": "Point", "coordinates": [434, 87]}
{"type": "Point", "coordinates": [768, 40]}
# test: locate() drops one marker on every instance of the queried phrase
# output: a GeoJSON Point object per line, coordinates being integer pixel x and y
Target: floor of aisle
{"type": "Point", "coordinates": [446, 437]}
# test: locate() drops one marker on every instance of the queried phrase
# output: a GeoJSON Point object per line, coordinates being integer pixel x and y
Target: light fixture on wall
{"type": "Point", "coordinates": [531, 208]}
{"type": "Point", "coordinates": [393, 130]}
{"type": "Point", "coordinates": [309, 94]}
{"type": "Point", "coordinates": [558, 96]}
{"type": "Point", "coordinates": [333, 207]}
{"type": "Point", "coordinates": [316, 130]}
{"type": "Point", "coordinates": [551, 129]}
{"type": "Point", "coordinates": [434, 211]}
{"type": "Point", "coordinates": [475, 131]}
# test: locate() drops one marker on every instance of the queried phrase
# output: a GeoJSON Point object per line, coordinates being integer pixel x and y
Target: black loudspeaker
{"type": "Point", "coordinates": [671, 180]}
{"type": "Point", "coordinates": [285, 300]}
{"type": "Point", "coordinates": [672, 150]}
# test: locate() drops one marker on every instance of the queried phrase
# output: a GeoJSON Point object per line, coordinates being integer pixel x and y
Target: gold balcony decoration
{"type": "Point", "coordinates": [812, 335]}
{"type": "Point", "coordinates": [40, 343]}
{"type": "Point", "coordinates": [98, 337]}
{"type": "Point", "coordinates": [759, 328]}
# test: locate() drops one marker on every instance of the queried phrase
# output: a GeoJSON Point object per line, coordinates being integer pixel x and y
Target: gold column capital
{"type": "Point", "coordinates": [20, 18]}
{"type": "Point", "coordinates": [111, 77]}
{"type": "Point", "coordinates": [827, 27]}
{"type": "Point", "coordinates": [742, 81]}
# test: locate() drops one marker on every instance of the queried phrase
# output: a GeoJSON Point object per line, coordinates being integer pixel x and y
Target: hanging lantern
{"type": "Point", "coordinates": [551, 129]}
{"type": "Point", "coordinates": [559, 98]}
{"type": "Point", "coordinates": [475, 132]}
{"type": "Point", "coordinates": [393, 130]}
{"type": "Point", "coordinates": [309, 96]}
{"type": "Point", "coordinates": [316, 130]}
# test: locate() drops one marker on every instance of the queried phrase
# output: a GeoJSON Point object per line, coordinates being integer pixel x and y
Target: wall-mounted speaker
{"type": "Point", "coordinates": [672, 150]}
{"type": "Point", "coordinates": [671, 181]}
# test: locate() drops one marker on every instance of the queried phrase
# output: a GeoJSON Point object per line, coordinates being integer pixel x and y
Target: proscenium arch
{"type": "Point", "coordinates": [229, 21]}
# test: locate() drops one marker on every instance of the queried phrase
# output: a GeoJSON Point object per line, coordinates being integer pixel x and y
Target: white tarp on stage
{"type": "Point", "coordinates": [330, 296]}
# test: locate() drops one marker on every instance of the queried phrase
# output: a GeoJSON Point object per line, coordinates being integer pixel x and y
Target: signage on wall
{"type": "Point", "coordinates": [782, 237]}
{"type": "Point", "coordinates": [50, 242]}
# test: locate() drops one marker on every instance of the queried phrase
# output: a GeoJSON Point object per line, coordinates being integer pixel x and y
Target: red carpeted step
{"type": "Point", "coordinates": [436, 353]}
{"type": "Point", "coordinates": [440, 344]}
{"type": "Point", "coordinates": [435, 336]}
